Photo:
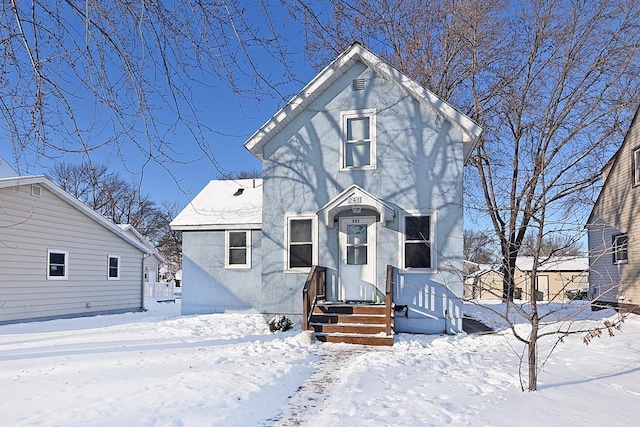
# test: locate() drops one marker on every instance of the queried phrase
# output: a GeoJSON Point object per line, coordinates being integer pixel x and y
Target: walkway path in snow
{"type": "Point", "coordinates": [310, 397]}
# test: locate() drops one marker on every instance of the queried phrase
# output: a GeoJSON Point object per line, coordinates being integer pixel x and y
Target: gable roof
{"type": "Point", "coordinates": [223, 205]}
{"type": "Point", "coordinates": [356, 52]}
{"type": "Point", "coordinates": [611, 164]}
{"type": "Point", "coordinates": [128, 228]}
{"type": "Point", "coordinates": [75, 203]}
{"type": "Point", "coordinates": [6, 170]}
{"type": "Point", "coordinates": [353, 197]}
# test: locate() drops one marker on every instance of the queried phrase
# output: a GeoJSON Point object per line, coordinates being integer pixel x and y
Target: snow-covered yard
{"type": "Point", "coordinates": [160, 369]}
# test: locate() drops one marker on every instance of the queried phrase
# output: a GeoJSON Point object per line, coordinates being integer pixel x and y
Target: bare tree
{"type": "Point", "coordinates": [112, 196]}
{"type": "Point", "coordinates": [552, 245]}
{"type": "Point", "coordinates": [79, 76]}
{"type": "Point", "coordinates": [551, 82]}
{"type": "Point", "coordinates": [477, 247]}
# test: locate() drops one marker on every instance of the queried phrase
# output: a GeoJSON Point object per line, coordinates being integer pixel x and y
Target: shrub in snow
{"type": "Point", "coordinates": [279, 323]}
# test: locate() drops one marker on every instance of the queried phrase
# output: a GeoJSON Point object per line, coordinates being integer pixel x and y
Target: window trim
{"type": "Point", "coordinates": [288, 217]}
{"type": "Point", "coordinates": [636, 167]}
{"type": "Point", "coordinates": [432, 239]}
{"type": "Point", "coordinates": [617, 248]}
{"type": "Point", "coordinates": [66, 264]}
{"type": "Point", "coordinates": [118, 267]}
{"type": "Point", "coordinates": [354, 114]}
{"type": "Point", "coordinates": [227, 248]}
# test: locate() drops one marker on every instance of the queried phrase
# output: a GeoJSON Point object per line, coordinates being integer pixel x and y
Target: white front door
{"type": "Point", "coordinates": [357, 241]}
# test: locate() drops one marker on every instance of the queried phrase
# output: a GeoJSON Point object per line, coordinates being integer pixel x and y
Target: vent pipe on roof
{"type": "Point", "coordinates": [239, 192]}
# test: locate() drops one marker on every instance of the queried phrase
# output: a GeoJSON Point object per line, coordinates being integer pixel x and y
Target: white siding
{"type": "Point", "coordinates": [29, 226]}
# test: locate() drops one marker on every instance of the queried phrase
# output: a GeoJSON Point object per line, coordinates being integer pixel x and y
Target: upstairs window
{"type": "Point", "coordinates": [417, 241]}
{"type": "Point", "coordinates": [636, 167]}
{"type": "Point", "coordinates": [620, 249]}
{"type": "Point", "coordinates": [300, 250]}
{"type": "Point", "coordinates": [238, 249]}
{"type": "Point", "coordinates": [114, 268]}
{"type": "Point", "coordinates": [358, 149]}
{"type": "Point", "coordinates": [57, 265]}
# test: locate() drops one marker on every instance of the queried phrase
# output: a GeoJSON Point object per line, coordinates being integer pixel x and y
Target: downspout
{"type": "Point", "coordinates": [142, 287]}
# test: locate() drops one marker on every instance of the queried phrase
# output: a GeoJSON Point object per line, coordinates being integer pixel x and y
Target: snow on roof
{"type": "Point", "coordinates": [563, 263]}
{"type": "Point", "coordinates": [223, 205]}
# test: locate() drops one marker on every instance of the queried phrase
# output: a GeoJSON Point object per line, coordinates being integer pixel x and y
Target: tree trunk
{"type": "Point", "coordinates": [532, 347]}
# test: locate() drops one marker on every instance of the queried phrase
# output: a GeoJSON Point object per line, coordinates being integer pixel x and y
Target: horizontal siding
{"type": "Point", "coordinates": [617, 211]}
{"type": "Point", "coordinates": [31, 226]}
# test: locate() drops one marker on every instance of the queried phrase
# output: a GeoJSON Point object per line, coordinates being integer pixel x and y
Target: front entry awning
{"type": "Point", "coordinates": [354, 198]}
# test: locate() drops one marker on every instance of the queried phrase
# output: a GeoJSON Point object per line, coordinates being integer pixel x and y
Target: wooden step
{"type": "Point", "coordinates": [357, 323]}
{"type": "Point", "coordinates": [350, 309]}
{"type": "Point", "coordinates": [348, 328]}
{"type": "Point", "coordinates": [348, 318]}
{"type": "Point", "coordinates": [361, 339]}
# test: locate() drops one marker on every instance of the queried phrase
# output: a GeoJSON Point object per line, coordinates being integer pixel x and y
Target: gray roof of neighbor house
{"type": "Point", "coordinates": [223, 205]}
{"type": "Point", "coordinates": [356, 52]}
{"type": "Point", "coordinates": [86, 210]}
{"type": "Point", "coordinates": [560, 263]}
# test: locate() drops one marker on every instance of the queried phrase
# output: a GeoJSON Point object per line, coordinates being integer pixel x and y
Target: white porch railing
{"type": "Point", "coordinates": [160, 291]}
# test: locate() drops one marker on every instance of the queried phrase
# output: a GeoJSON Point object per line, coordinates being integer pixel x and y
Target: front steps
{"type": "Point", "coordinates": [357, 323]}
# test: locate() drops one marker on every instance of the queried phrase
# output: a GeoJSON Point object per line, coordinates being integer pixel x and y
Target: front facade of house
{"type": "Point", "coordinates": [60, 258]}
{"type": "Point", "coordinates": [614, 227]}
{"type": "Point", "coordinates": [361, 170]}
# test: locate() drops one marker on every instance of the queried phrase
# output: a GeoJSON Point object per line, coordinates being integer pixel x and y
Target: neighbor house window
{"type": "Point", "coordinates": [636, 167]}
{"type": "Point", "coordinates": [238, 249]}
{"type": "Point", "coordinates": [113, 272]}
{"type": "Point", "coordinates": [417, 231]}
{"type": "Point", "coordinates": [620, 249]}
{"type": "Point", "coordinates": [300, 243]}
{"type": "Point", "coordinates": [57, 265]}
{"type": "Point", "coordinates": [358, 150]}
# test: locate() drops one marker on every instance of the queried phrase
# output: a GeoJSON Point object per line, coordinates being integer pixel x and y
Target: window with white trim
{"type": "Point", "coordinates": [358, 146]}
{"type": "Point", "coordinates": [300, 242]}
{"type": "Point", "coordinates": [113, 267]}
{"type": "Point", "coordinates": [636, 167]}
{"type": "Point", "coordinates": [237, 249]}
{"type": "Point", "coordinates": [57, 265]}
{"type": "Point", "coordinates": [620, 249]}
{"type": "Point", "coordinates": [417, 233]}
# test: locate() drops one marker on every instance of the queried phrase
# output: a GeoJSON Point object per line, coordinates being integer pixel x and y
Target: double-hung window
{"type": "Point", "coordinates": [417, 241]}
{"type": "Point", "coordinates": [238, 249]}
{"type": "Point", "coordinates": [358, 149]}
{"type": "Point", "coordinates": [620, 249]}
{"type": "Point", "coordinates": [113, 269]}
{"type": "Point", "coordinates": [636, 167]}
{"type": "Point", "coordinates": [300, 243]}
{"type": "Point", "coordinates": [57, 265]}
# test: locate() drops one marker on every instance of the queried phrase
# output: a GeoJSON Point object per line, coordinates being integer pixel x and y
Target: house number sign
{"type": "Point", "coordinates": [353, 200]}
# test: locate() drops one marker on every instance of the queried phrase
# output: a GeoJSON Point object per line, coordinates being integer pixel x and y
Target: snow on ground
{"type": "Point", "coordinates": [160, 369]}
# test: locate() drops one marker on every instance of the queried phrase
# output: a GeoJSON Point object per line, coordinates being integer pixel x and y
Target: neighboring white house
{"type": "Point", "coordinates": [153, 262]}
{"type": "Point", "coordinates": [362, 170]}
{"type": "Point", "coordinates": [60, 258]}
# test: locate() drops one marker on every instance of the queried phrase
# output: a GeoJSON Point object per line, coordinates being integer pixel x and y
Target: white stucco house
{"type": "Point", "coordinates": [359, 211]}
{"type": "Point", "coordinates": [59, 258]}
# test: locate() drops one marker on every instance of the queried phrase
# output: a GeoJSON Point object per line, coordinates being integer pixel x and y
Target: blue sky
{"type": "Point", "coordinates": [231, 117]}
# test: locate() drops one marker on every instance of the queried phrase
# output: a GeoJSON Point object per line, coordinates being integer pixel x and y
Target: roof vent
{"type": "Point", "coordinates": [239, 192]}
{"type": "Point", "coordinates": [358, 84]}
{"type": "Point", "coordinates": [36, 190]}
